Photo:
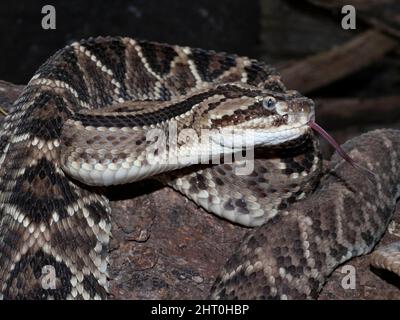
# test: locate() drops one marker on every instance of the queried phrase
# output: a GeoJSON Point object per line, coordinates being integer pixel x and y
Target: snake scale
{"type": "Point", "coordinates": [91, 116]}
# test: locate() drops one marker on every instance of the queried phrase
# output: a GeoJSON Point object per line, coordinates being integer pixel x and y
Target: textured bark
{"type": "Point", "coordinates": [324, 68]}
{"type": "Point", "coordinates": [351, 111]}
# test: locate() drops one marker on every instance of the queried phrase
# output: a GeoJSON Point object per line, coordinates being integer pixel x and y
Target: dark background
{"type": "Point", "coordinates": [168, 248]}
{"type": "Point", "coordinates": [276, 31]}
{"type": "Point", "coordinates": [229, 25]}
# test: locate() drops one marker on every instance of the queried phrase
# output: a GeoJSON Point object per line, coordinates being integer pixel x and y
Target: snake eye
{"type": "Point", "coordinates": [269, 103]}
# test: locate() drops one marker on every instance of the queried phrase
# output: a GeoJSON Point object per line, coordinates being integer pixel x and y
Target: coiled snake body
{"type": "Point", "coordinates": [91, 116]}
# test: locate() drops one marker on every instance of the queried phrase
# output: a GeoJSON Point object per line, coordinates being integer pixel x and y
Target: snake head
{"type": "Point", "coordinates": [261, 117]}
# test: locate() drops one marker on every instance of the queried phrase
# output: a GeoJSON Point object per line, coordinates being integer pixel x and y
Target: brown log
{"type": "Point", "coordinates": [381, 14]}
{"type": "Point", "coordinates": [324, 68]}
{"type": "Point", "coordinates": [337, 113]}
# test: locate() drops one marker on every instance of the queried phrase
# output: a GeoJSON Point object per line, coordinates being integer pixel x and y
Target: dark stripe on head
{"type": "Point", "coordinates": [164, 114]}
{"type": "Point", "coordinates": [239, 115]}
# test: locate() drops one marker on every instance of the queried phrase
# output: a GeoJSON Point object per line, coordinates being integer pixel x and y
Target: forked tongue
{"type": "Point", "coordinates": [371, 176]}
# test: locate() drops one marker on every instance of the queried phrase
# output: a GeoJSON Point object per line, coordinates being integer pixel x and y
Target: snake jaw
{"type": "Point", "coordinates": [237, 138]}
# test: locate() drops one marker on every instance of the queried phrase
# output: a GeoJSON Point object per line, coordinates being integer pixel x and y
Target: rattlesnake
{"type": "Point", "coordinates": [83, 118]}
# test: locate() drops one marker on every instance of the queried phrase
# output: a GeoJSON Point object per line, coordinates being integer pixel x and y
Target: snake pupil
{"type": "Point", "coordinates": [269, 103]}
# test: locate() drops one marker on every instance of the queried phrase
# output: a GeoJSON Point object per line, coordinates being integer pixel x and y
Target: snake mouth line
{"type": "Point", "coordinates": [255, 137]}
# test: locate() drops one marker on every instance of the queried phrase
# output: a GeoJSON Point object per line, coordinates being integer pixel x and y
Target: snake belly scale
{"type": "Point", "coordinates": [82, 122]}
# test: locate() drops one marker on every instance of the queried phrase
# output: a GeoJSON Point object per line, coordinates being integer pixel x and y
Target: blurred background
{"type": "Point", "coordinates": [353, 75]}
